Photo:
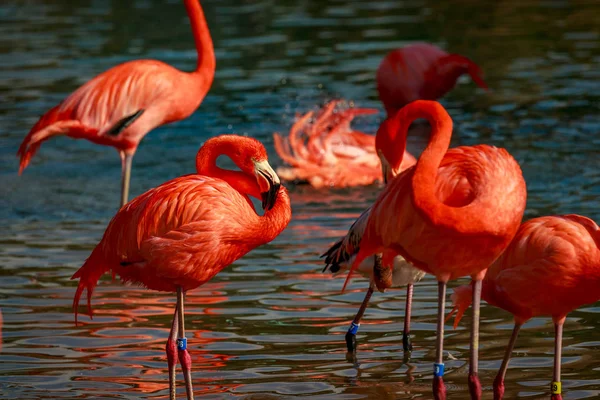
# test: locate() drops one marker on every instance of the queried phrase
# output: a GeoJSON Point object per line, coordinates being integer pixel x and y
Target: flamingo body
{"type": "Point", "coordinates": [121, 105]}
{"type": "Point", "coordinates": [421, 71]}
{"type": "Point", "coordinates": [327, 152]}
{"type": "Point", "coordinates": [551, 267]}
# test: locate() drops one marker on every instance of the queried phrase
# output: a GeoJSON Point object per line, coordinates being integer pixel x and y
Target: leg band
{"type": "Point", "coordinates": [353, 328]}
{"type": "Point", "coordinates": [556, 388]}
{"type": "Point", "coordinates": [181, 343]}
{"type": "Point", "coordinates": [438, 369]}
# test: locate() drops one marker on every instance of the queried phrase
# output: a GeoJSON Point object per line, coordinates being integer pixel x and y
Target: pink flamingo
{"type": "Point", "coordinates": [551, 267]}
{"type": "Point", "coordinates": [120, 106]}
{"type": "Point", "coordinates": [180, 234]}
{"type": "Point", "coordinates": [340, 256]}
{"type": "Point", "coordinates": [421, 71]}
{"type": "Point", "coordinates": [327, 152]}
{"type": "Point", "coordinates": [449, 226]}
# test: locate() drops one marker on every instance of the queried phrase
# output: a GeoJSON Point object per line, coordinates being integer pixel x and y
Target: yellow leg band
{"type": "Point", "coordinates": [556, 388]}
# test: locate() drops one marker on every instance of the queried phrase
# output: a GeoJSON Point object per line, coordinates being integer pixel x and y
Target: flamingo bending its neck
{"type": "Point", "coordinates": [120, 106]}
{"type": "Point", "coordinates": [552, 267]}
{"type": "Point", "coordinates": [180, 234]}
{"type": "Point", "coordinates": [341, 254]}
{"type": "Point", "coordinates": [449, 226]}
{"type": "Point", "coordinates": [421, 71]}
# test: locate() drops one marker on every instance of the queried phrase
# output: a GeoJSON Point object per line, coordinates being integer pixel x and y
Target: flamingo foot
{"type": "Point", "coordinates": [474, 386]}
{"type": "Point", "coordinates": [351, 337]}
{"type": "Point", "coordinates": [498, 388]}
{"type": "Point", "coordinates": [406, 342]}
{"type": "Point", "coordinates": [439, 389]}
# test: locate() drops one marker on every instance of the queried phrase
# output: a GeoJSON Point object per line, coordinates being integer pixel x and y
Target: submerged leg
{"type": "Point", "coordinates": [406, 344]}
{"type": "Point", "coordinates": [474, 385]}
{"type": "Point", "coordinates": [556, 386]}
{"type": "Point", "coordinates": [184, 355]}
{"type": "Point", "coordinates": [351, 334]}
{"type": "Point", "coordinates": [439, 389]}
{"type": "Point", "coordinates": [126, 160]}
{"type": "Point", "coordinates": [499, 381]}
{"type": "Point", "coordinates": [172, 354]}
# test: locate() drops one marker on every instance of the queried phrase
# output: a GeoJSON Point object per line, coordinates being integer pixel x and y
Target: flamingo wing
{"type": "Point", "coordinates": [128, 101]}
{"type": "Point", "coordinates": [348, 246]}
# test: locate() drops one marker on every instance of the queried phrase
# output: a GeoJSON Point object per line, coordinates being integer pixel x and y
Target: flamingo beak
{"type": "Point", "coordinates": [268, 182]}
{"type": "Point", "coordinates": [385, 167]}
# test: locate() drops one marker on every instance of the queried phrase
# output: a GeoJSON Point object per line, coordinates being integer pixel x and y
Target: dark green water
{"type": "Point", "coordinates": [271, 326]}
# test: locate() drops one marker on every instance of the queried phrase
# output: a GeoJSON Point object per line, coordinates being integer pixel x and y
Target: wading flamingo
{"type": "Point", "coordinates": [177, 236]}
{"type": "Point", "coordinates": [421, 71]}
{"type": "Point", "coordinates": [551, 268]}
{"type": "Point", "coordinates": [340, 255]}
{"type": "Point", "coordinates": [120, 106]}
{"type": "Point", "coordinates": [450, 227]}
{"type": "Point", "coordinates": [326, 152]}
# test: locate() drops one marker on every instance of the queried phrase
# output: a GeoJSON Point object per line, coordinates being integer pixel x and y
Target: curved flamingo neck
{"type": "Point", "coordinates": [458, 65]}
{"type": "Point", "coordinates": [204, 46]}
{"type": "Point", "coordinates": [276, 219]}
{"type": "Point", "coordinates": [206, 164]}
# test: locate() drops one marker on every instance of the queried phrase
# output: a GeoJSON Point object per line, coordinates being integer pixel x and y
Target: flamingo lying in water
{"type": "Point", "coordinates": [338, 156]}
{"type": "Point", "coordinates": [340, 255]}
{"type": "Point", "coordinates": [449, 227]}
{"type": "Point", "coordinates": [551, 268]}
{"type": "Point", "coordinates": [180, 234]}
{"type": "Point", "coordinates": [120, 106]}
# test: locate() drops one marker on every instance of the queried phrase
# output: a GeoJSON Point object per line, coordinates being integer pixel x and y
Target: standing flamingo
{"type": "Point", "coordinates": [120, 106]}
{"type": "Point", "coordinates": [341, 254]}
{"type": "Point", "coordinates": [179, 235]}
{"type": "Point", "coordinates": [421, 71]}
{"type": "Point", "coordinates": [551, 268]}
{"type": "Point", "coordinates": [448, 227]}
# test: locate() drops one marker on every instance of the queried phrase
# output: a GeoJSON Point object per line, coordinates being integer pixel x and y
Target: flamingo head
{"type": "Point", "coordinates": [268, 182]}
{"type": "Point", "coordinates": [389, 149]}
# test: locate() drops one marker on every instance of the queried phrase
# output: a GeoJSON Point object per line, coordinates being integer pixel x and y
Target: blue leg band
{"type": "Point", "coordinates": [353, 328]}
{"type": "Point", "coordinates": [438, 369]}
{"type": "Point", "coordinates": [182, 343]}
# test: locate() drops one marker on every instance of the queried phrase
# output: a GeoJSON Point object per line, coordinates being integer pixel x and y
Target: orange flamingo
{"type": "Point", "coordinates": [120, 106]}
{"type": "Point", "coordinates": [327, 152]}
{"type": "Point", "coordinates": [341, 254]}
{"type": "Point", "coordinates": [448, 227]}
{"type": "Point", "coordinates": [551, 268]}
{"type": "Point", "coordinates": [421, 71]}
{"type": "Point", "coordinates": [179, 235]}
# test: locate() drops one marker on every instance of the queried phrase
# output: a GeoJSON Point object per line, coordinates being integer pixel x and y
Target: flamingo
{"type": "Point", "coordinates": [341, 254]}
{"type": "Point", "coordinates": [421, 71]}
{"type": "Point", "coordinates": [120, 106]}
{"type": "Point", "coordinates": [327, 152]}
{"type": "Point", "coordinates": [340, 157]}
{"type": "Point", "coordinates": [449, 226]}
{"type": "Point", "coordinates": [551, 267]}
{"type": "Point", "coordinates": [180, 234]}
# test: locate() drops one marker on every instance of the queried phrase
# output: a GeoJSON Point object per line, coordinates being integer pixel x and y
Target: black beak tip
{"type": "Point", "coordinates": [269, 198]}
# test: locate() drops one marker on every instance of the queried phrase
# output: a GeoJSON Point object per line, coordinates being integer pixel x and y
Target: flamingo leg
{"type": "Point", "coordinates": [172, 354]}
{"type": "Point", "coordinates": [184, 355]}
{"type": "Point", "coordinates": [406, 344]}
{"type": "Point", "coordinates": [474, 384]}
{"type": "Point", "coordinates": [351, 334]}
{"type": "Point", "coordinates": [499, 381]}
{"type": "Point", "coordinates": [126, 160]}
{"type": "Point", "coordinates": [439, 389]}
{"type": "Point", "coordinates": [556, 386]}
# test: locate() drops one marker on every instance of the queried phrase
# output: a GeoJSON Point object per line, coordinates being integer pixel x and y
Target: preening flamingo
{"type": "Point", "coordinates": [325, 151]}
{"type": "Point", "coordinates": [551, 268]}
{"type": "Point", "coordinates": [421, 71]}
{"type": "Point", "coordinates": [120, 106]}
{"type": "Point", "coordinates": [180, 234]}
{"type": "Point", "coordinates": [341, 254]}
{"type": "Point", "coordinates": [449, 225]}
